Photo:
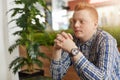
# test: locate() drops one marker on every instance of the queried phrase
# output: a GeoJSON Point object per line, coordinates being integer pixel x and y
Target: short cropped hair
{"type": "Point", "coordinates": [89, 7]}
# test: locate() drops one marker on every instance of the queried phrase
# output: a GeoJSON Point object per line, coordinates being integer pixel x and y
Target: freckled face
{"type": "Point", "coordinates": [83, 24]}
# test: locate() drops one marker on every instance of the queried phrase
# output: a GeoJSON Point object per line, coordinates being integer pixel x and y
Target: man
{"type": "Point", "coordinates": [92, 51]}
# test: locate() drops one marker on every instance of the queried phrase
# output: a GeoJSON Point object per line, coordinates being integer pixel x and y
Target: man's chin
{"type": "Point", "coordinates": [78, 35]}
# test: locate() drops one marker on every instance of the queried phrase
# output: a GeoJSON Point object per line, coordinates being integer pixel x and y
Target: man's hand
{"type": "Point", "coordinates": [64, 41]}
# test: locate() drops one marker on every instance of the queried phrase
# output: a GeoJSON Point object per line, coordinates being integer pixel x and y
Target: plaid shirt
{"type": "Point", "coordinates": [100, 60]}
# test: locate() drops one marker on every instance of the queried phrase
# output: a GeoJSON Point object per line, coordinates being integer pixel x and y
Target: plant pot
{"type": "Point", "coordinates": [24, 75]}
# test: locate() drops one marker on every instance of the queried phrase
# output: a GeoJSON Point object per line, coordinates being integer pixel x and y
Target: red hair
{"type": "Point", "coordinates": [88, 7]}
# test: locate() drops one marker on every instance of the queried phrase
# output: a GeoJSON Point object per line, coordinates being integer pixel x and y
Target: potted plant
{"type": "Point", "coordinates": [30, 25]}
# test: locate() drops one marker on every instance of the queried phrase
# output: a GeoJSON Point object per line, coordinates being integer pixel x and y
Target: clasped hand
{"type": "Point", "coordinates": [64, 41]}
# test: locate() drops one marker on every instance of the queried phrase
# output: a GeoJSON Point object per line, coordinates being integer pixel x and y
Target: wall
{"type": "Point", "coordinates": [3, 62]}
{"type": "Point", "coordinates": [5, 57]}
{"type": "Point", "coordinates": [4, 73]}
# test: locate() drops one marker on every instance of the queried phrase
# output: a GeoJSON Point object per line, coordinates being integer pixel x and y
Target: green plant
{"type": "Point", "coordinates": [47, 38]}
{"type": "Point", "coordinates": [29, 25]}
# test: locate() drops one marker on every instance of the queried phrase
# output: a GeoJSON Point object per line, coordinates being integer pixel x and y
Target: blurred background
{"type": "Point", "coordinates": [108, 10]}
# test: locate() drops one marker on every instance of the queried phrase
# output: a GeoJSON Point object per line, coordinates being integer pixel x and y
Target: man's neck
{"type": "Point", "coordinates": [88, 38]}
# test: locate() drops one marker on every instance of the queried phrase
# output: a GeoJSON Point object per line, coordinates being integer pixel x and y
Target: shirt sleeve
{"type": "Point", "coordinates": [106, 63]}
{"type": "Point", "coordinates": [59, 68]}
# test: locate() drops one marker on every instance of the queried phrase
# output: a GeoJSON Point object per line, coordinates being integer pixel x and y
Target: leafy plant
{"type": "Point", "coordinates": [29, 25]}
{"type": "Point", "coordinates": [47, 38]}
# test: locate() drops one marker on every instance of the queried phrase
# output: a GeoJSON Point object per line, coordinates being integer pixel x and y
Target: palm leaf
{"type": "Point", "coordinates": [17, 63]}
{"type": "Point", "coordinates": [38, 62]}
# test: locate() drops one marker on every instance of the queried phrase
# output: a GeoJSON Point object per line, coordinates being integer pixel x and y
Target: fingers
{"type": "Point", "coordinates": [65, 35]}
{"type": "Point", "coordinates": [57, 44]}
{"type": "Point", "coordinates": [58, 41]}
{"type": "Point", "coordinates": [61, 38]}
{"type": "Point", "coordinates": [70, 36]}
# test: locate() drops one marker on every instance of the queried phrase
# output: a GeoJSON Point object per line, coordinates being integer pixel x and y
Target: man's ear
{"type": "Point", "coordinates": [96, 24]}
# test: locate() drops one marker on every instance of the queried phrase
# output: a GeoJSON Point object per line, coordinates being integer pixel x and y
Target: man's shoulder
{"type": "Point", "coordinates": [104, 34]}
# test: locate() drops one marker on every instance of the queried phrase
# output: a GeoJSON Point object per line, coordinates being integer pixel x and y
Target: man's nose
{"type": "Point", "coordinates": [77, 24]}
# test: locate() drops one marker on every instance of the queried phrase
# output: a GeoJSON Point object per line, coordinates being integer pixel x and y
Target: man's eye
{"type": "Point", "coordinates": [81, 21]}
{"type": "Point", "coordinates": [73, 21]}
